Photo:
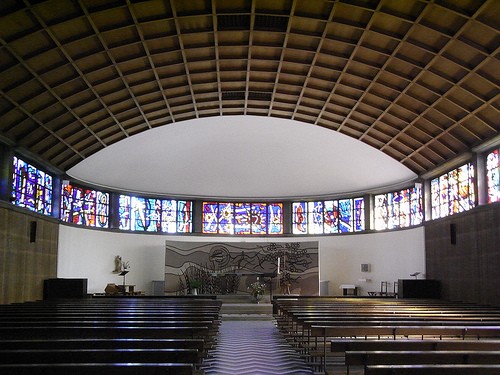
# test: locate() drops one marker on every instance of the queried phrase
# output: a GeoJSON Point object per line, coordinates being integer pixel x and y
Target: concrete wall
{"type": "Point", "coordinates": [463, 252]}
{"type": "Point", "coordinates": [28, 255]}
{"type": "Point", "coordinates": [391, 256]}
{"type": "Point", "coordinates": [90, 254]}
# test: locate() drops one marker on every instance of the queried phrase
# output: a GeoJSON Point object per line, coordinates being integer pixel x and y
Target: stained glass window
{"type": "Point", "coordinates": [31, 188]}
{"type": "Point", "coordinates": [398, 209]}
{"type": "Point", "coordinates": [84, 206]}
{"type": "Point", "coordinates": [453, 192]}
{"type": "Point", "coordinates": [326, 217]}
{"type": "Point", "coordinates": [493, 176]}
{"type": "Point", "coordinates": [242, 218]}
{"type": "Point", "coordinates": [155, 215]}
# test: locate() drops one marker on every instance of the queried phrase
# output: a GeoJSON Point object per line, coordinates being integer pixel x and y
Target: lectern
{"type": "Point", "coordinates": [123, 273]}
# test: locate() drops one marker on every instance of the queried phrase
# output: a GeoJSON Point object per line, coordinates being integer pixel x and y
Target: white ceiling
{"type": "Point", "coordinates": [242, 157]}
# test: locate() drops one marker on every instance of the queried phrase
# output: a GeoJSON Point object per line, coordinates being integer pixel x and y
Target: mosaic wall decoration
{"type": "Point", "coordinates": [230, 268]}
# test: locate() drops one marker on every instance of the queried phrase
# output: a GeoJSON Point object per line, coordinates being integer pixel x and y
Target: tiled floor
{"type": "Point", "coordinates": [253, 347]}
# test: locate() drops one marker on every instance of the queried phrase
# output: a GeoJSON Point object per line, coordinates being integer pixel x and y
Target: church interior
{"type": "Point", "coordinates": [183, 183]}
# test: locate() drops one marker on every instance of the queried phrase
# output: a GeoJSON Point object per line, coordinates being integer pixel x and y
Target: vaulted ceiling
{"type": "Point", "coordinates": [416, 79]}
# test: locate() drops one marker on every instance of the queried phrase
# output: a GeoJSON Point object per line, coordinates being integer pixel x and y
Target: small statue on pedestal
{"type": "Point", "coordinates": [118, 264]}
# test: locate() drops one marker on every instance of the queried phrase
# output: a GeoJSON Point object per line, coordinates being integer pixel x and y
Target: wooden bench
{"type": "Point", "coordinates": [116, 336]}
{"type": "Point", "coordinates": [98, 369]}
{"type": "Point", "coordinates": [26, 356]}
{"type": "Point", "coordinates": [410, 357]}
{"type": "Point", "coordinates": [343, 345]}
{"type": "Point", "coordinates": [98, 323]}
{"type": "Point", "coordinates": [58, 332]}
{"type": "Point", "coordinates": [319, 334]}
{"type": "Point", "coordinates": [74, 343]}
{"type": "Point", "coordinates": [308, 322]}
{"type": "Point", "coordinates": [432, 370]}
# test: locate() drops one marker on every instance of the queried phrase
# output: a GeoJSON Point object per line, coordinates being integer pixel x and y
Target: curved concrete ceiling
{"type": "Point", "coordinates": [415, 79]}
{"type": "Point", "coordinates": [242, 157]}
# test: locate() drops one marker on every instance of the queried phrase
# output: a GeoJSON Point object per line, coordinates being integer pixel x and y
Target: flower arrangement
{"type": "Point", "coordinates": [194, 283]}
{"type": "Point", "coordinates": [257, 288]}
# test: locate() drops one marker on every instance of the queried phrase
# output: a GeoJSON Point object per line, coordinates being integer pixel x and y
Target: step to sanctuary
{"type": "Point", "coordinates": [243, 307]}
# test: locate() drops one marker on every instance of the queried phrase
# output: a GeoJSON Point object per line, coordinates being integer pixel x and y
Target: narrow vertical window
{"type": "Point", "coordinates": [299, 218]}
{"type": "Point", "coordinates": [493, 176]}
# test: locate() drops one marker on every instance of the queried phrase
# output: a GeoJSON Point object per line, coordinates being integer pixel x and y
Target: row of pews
{"type": "Point", "coordinates": [108, 336]}
{"type": "Point", "coordinates": [392, 336]}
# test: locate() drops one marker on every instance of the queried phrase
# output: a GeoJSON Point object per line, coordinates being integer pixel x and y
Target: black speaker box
{"type": "Point", "coordinates": [64, 288]}
{"type": "Point", "coordinates": [419, 289]}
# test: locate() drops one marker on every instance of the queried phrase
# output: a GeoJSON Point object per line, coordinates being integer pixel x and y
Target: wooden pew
{"type": "Point", "coordinates": [98, 369]}
{"type": "Point", "coordinates": [308, 320]}
{"type": "Point", "coordinates": [343, 345]}
{"type": "Point", "coordinates": [177, 343]}
{"type": "Point", "coordinates": [103, 336]}
{"type": "Point", "coordinates": [26, 356]}
{"type": "Point", "coordinates": [58, 332]}
{"type": "Point", "coordinates": [432, 370]}
{"type": "Point", "coordinates": [98, 323]}
{"type": "Point", "coordinates": [324, 332]}
{"type": "Point", "coordinates": [414, 357]}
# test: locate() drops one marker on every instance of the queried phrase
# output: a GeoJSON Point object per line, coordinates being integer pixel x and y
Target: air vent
{"type": "Point", "coordinates": [233, 22]}
{"type": "Point", "coordinates": [271, 23]}
{"type": "Point", "coordinates": [240, 95]}
{"type": "Point", "coordinates": [233, 95]}
{"type": "Point", "coordinates": [256, 95]}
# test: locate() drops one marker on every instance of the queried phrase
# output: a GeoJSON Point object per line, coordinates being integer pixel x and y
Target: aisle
{"type": "Point", "coordinates": [253, 347]}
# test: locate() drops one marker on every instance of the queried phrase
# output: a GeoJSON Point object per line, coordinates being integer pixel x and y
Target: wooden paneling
{"type": "Point", "coordinates": [468, 270]}
{"type": "Point", "coordinates": [24, 264]}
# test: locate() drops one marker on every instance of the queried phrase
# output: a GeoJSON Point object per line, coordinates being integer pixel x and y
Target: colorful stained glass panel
{"type": "Point", "coordinates": [259, 218]}
{"type": "Point", "coordinates": [493, 176]}
{"type": "Point", "coordinates": [275, 218]}
{"type": "Point", "coordinates": [84, 206]}
{"type": "Point", "coordinates": [299, 218]}
{"type": "Point", "coordinates": [346, 219]}
{"type": "Point", "coordinates": [398, 209]}
{"type": "Point", "coordinates": [225, 218]}
{"type": "Point", "coordinates": [453, 192]}
{"type": "Point", "coordinates": [210, 217]}
{"type": "Point", "coordinates": [31, 187]}
{"type": "Point", "coordinates": [184, 217]}
{"type": "Point", "coordinates": [242, 218]}
{"type": "Point", "coordinates": [326, 217]}
{"type": "Point", "coordinates": [155, 215]}
{"type": "Point", "coordinates": [359, 214]}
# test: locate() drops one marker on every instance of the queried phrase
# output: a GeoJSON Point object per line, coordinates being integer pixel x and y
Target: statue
{"type": "Point", "coordinates": [118, 264]}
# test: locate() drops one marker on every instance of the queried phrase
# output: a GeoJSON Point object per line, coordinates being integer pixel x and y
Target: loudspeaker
{"type": "Point", "coordinates": [453, 234]}
{"type": "Point", "coordinates": [32, 231]}
{"type": "Point", "coordinates": [419, 288]}
{"type": "Point", "coordinates": [365, 267]}
{"type": "Point", "coordinates": [64, 288]}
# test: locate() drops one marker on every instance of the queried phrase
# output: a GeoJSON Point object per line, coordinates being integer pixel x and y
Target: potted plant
{"type": "Point", "coordinates": [257, 290]}
{"type": "Point", "coordinates": [194, 285]}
